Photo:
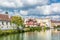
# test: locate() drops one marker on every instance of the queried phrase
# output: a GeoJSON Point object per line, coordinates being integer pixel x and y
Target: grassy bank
{"type": "Point", "coordinates": [32, 29]}
{"type": "Point", "coordinates": [7, 32]}
{"type": "Point", "coordinates": [29, 29]}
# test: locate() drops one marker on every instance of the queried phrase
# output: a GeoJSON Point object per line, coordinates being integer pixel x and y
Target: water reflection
{"type": "Point", "coordinates": [43, 35]}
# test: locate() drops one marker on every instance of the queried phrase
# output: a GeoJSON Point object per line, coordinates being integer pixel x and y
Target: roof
{"type": "Point", "coordinates": [29, 20]}
{"type": "Point", "coordinates": [54, 21]}
{"type": "Point", "coordinates": [4, 17]}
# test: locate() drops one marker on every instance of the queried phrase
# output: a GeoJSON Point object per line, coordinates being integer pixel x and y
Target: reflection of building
{"type": "Point", "coordinates": [38, 22]}
{"type": "Point", "coordinates": [44, 35]}
{"type": "Point", "coordinates": [55, 23]}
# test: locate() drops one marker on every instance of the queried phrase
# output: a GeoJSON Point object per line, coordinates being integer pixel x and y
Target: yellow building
{"type": "Point", "coordinates": [55, 23]}
{"type": "Point", "coordinates": [44, 22]}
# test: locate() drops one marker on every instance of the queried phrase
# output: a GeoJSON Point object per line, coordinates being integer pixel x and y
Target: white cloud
{"type": "Point", "coordinates": [49, 9]}
{"type": "Point", "coordinates": [11, 3]}
{"type": "Point", "coordinates": [21, 3]}
{"type": "Point", "coordinates": [55, 7]}
{"type": "Point", "coordinates": [53, 17]}
{"type": "Point", "coordinates": [23, 12]}
{"type": "Point", "coordinates": [46, 10]}
{"type": "Point", "coordinates": [35, 2]}
{"type": "Point", "coordinates": [29, 2]}
{"type": "Point", "coordinates": [56, 16]}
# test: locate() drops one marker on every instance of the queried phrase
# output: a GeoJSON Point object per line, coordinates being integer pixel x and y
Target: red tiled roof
{"type": "Point", "coordinates": [4, 17]}
{"type": "Point", "coordinates": [33, 20]}
{"type": "Point", "coordinates": [53, 21]}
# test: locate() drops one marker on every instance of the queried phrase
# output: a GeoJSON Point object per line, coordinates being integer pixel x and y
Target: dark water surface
{"type": "Point", "coordinates": [42, 35]}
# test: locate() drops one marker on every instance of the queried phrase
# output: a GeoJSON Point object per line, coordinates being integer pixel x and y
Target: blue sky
{"type": "Point", "coordinates": [32, 8]}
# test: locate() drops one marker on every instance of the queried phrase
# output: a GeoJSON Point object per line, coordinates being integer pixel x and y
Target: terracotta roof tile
{"type": "Point", "coordinates": [4, 17]}
{"type": "Point", "coordinates": [54, 21]}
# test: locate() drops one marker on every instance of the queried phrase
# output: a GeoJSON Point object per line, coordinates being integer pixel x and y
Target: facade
{"type": "Point", "coordinates": [38, 22]}
{"type": "Point", "coordinates": [44, 22]}
{"type": "Point", "coordinates": [30, 23]}
{"type": "Point", "coordinates": [55, 23]}
{"type": "Point", "coordinates": [5, 22]}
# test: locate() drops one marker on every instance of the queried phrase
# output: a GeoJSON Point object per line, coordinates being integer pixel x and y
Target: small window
{"type": "Point", "coordinates": [10, 23]}
{"type": "Point", "coordinates": [2, 23]}
{"type": "Point", "coordinates": [6, 23]}
{"type": "Point", "coordinates": [7, 26]}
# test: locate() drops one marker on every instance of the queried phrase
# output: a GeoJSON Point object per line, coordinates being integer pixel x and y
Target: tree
{"type": "Point", "coordinates": [58, 26]}
{"type": "Point", "coordinates": [17, 20]}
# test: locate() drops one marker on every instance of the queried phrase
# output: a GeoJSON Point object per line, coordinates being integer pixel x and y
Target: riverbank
{"type": "Point", "coordinates": [42, 35]}
{"type": "Point", "coordinates": [7, 32]}
{"type": "Point", "coordinates": [31, 29]}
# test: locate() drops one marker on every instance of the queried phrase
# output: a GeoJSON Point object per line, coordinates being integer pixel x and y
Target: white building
{"type": "Point", "coordinates": [5, 22]}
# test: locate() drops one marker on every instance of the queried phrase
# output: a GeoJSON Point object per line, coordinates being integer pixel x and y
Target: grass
{"type": "Point", "coordinates": [29, 29]}
{"type": "Point", "coordinates": [35, 28]}
{"type": "Point", "coordinates": [7, 32]}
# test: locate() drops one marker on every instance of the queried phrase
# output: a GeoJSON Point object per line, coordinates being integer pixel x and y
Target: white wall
{"type": "Point", "coordinates": [5, 26]}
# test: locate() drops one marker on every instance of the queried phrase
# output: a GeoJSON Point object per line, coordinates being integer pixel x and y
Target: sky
{"type": "Point", "coordinates": [32, 8]}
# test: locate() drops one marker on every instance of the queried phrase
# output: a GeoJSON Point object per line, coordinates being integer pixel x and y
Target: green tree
{"type": "Point", "coordinates": [17, 20]}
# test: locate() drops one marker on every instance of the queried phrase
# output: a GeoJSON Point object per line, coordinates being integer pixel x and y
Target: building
{"type": "Point", "coordinates": [38, 22]}
{"type": "Point", "coordinates": [55, 23]}
{"type": "Point", "coordinates": [30, 23]}
{"type": "Point", "coordinates": [5, 22]}
{"type": "Point", "coordinates": [44, 22]}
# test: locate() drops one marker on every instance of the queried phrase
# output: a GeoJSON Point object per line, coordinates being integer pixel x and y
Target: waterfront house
{"type": "Point", "coordinates": [55, 23]}
{"type": "Point", "coordinates": [44, 22]}
{"type": "Point", "coordinates": [30, 23]}
{"type": "Point", "coordinates": [38, 22]}
{"type": "Point", "coordinates": [5, 21]}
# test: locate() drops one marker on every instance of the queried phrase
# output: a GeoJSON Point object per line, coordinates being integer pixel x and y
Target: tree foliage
{"type": "Point", "coordinates": [17, 20]}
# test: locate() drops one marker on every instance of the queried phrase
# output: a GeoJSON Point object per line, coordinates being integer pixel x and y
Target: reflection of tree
{"type": "Point", "coordinates": [12, 37]}
{"type": "Point", "coordinates": [19, 36]}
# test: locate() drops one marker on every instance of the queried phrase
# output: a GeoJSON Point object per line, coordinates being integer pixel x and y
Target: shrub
{"type": "Point", "coordinates": [58, 26]}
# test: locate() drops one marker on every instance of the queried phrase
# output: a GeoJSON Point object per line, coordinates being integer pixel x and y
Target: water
{"type": "Point", "coordinates": [42, 35]}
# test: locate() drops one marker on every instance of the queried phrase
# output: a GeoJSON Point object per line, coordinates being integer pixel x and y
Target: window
{"type": "Point", "coordinates": [2, 23]}
{"type": "Point", "coordinates": [10, 23]}
{"type": "Point", "coordinates": [6, 23]}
